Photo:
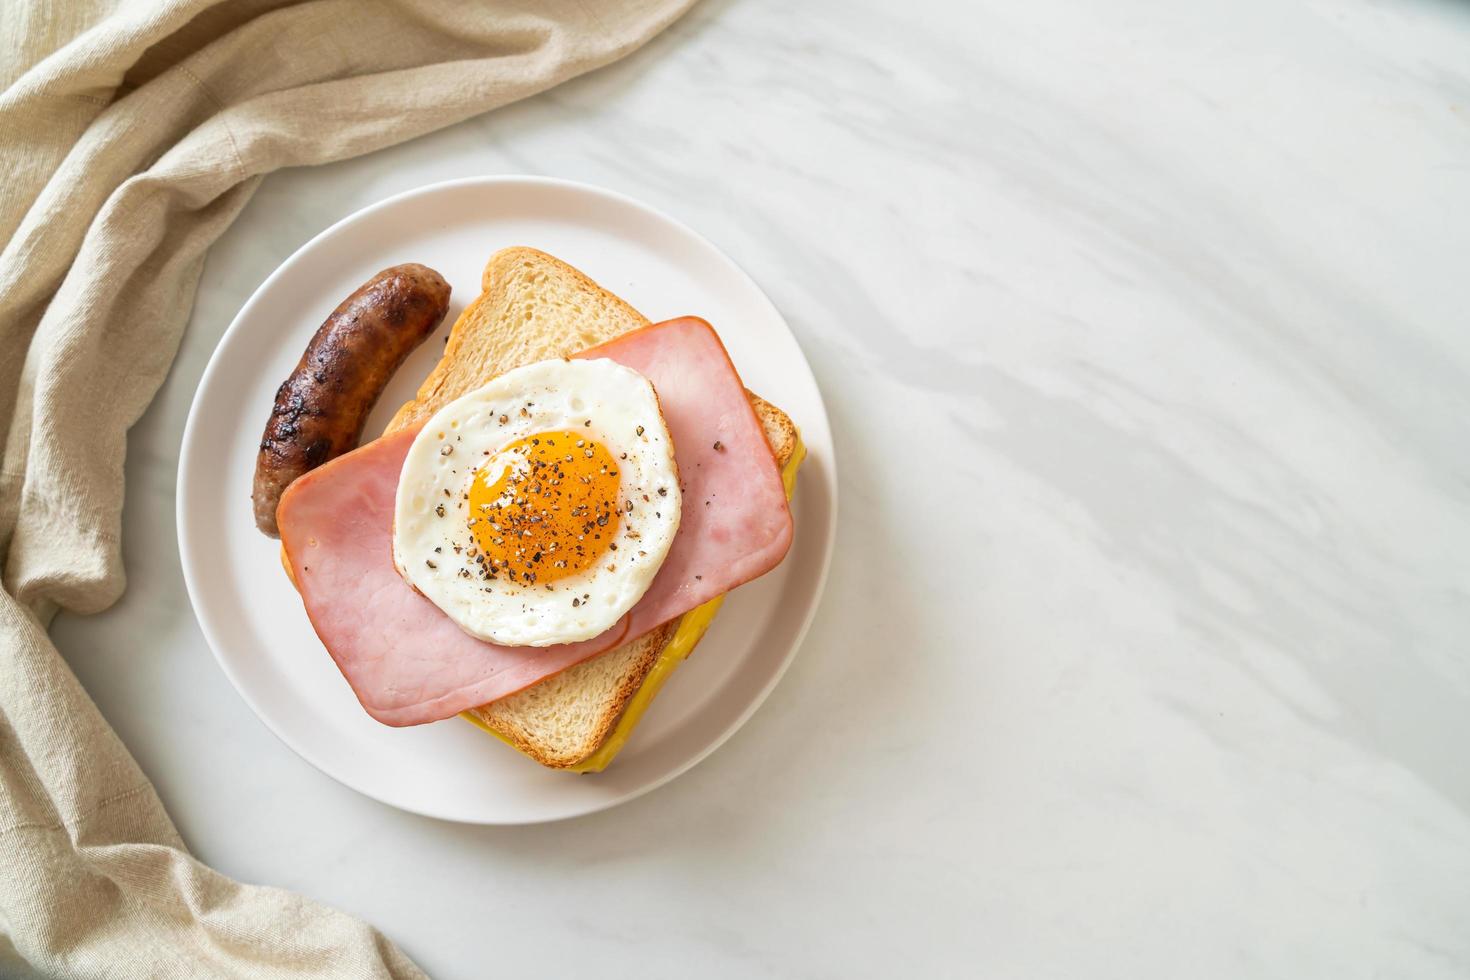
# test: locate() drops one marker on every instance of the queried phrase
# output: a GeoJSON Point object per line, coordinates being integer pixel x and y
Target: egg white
{"type": "Point", "coordinates": [613, 405]}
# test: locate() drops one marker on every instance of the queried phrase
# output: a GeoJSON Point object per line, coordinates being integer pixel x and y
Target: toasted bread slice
{"type": "Point", "coordinates": [534, 306]}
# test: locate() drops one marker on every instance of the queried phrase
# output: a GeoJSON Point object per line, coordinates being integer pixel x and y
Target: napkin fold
{"type": "Point", "coordinates": [132, 132]}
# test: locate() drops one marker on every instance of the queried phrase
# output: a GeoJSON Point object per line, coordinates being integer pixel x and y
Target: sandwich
{"type": "Point", "coordinates": [534, 597]}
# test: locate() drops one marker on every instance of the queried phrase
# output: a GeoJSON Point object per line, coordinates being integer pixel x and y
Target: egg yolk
{"type": "Point", "coordinates": [550, 514]}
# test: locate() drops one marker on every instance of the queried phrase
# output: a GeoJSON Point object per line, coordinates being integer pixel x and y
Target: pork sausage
{"type": "Point", "coordinates": [321, 408]}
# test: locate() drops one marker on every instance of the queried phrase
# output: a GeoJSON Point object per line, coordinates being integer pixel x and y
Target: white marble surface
{"type": "Point", "coordinates": [1146, 650]}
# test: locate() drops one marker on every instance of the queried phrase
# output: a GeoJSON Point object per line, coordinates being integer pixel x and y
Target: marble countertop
{"type": "Point", "coordinates": [1143, 329]}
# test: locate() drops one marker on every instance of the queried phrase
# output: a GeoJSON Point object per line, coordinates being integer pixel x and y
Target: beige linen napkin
{"type": "Point", "coordinates": [131, 133]}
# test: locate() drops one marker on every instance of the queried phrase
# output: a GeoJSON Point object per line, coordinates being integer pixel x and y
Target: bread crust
{"type": "Point", "coordinates": [509, 723]}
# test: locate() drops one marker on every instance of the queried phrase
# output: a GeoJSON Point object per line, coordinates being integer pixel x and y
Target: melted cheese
{"type": "Point", "coordinates": [692, 626]}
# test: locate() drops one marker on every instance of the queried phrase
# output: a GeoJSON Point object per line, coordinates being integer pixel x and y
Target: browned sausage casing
{"type": "Point", "coordinates": [320, 410]}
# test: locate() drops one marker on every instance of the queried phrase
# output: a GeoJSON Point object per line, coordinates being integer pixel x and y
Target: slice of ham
{"type": "Point", "coordinates": [410, 664]}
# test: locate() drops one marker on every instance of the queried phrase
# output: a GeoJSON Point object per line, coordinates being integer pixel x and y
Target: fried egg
{"type": "Point", "coordinates": [536, 510]}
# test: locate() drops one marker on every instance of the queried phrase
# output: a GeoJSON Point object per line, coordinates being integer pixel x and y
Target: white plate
{"type": "Point", "coordinates": [253, 618]}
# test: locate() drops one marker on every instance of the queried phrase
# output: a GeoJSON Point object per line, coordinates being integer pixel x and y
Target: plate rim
{"type": "Point", "coordinates": [215, 364]}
